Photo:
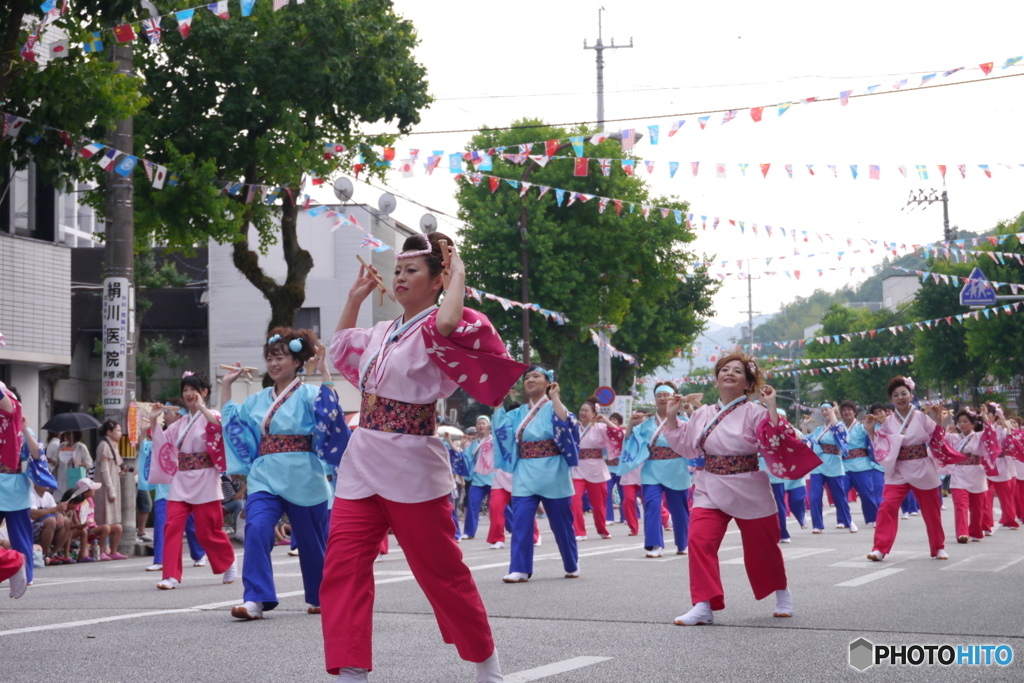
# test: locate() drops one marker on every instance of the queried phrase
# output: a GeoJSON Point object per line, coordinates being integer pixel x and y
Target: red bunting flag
{"type": "Point", "coordinates": [550, 147]}
{"type": "Point", "coordinates": [618, 207]}
{"type": "Point", "coordinates": [494, 183]}
{"type": "Point", "coordinates": [755, 113]}
{"type": "Point", "coordinates": [942, 170]}
{"type": "Point", "coordinates": [764, 170]}
{"type": "Point", "coordinates": [582, 164]}
{"type": "Point", "coordinates": [124, 33]}
{"type": "Point", "coordinates": [389, 154]}
{"type": "Point", "coordinates": [986, 68]}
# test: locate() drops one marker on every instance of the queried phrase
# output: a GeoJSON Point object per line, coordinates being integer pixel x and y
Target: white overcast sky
{"type": "Point", "coordinates": [691, 57]}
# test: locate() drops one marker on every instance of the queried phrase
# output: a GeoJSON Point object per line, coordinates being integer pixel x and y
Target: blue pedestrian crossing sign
{"type": "Point", "coordinates": [978, 291]}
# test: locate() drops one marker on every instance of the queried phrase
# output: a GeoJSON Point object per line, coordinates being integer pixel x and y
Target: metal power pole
{"type": "Point", "coordinates": [599, 48]}
{"type": "Point", "coordinates": [119, 338]}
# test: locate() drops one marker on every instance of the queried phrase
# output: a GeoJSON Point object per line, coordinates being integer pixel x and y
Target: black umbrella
{"type": "Point", "coordinates": [71, 422]}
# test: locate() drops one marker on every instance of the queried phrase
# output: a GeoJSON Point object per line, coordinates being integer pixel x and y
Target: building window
{"type": "Point", "coordinates": [28, 207]}
{"type": "Point", "coordinates": [308, 319]}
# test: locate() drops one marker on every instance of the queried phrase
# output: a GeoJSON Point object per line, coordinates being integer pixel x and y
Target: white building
{"type": "Point", "coordinates": [898, 290]}
{"type": "Point", "coordinates": [239, 313]}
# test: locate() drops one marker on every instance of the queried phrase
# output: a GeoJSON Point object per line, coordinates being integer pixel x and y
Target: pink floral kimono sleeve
{"type": "Point", "coordinates": [785, 453]}
{"type": "Point", "coordinates": [347, 348]}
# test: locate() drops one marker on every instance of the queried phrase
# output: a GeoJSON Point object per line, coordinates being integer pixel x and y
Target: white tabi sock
{"type": "Point", "coordinates": [489, 670]}
{"type": "Point", "coordinates": [352, 675]}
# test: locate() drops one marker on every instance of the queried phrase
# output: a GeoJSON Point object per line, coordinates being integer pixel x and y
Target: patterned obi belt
{"type": "Point", "coordinates": [188, 462]}
{"type": "Point", "coordinates": [913, 452]}
{"type": "Point", "coordinates": [662, 453]}
{"type": "Point", "coordinates": [829, 448]}
{"type": "Point", "coordinates": [857, 453]}
{"type": "Point", "coordinates": [4, 469]}
{"type": "Point", "coordinates": [591, 454]}
{"type": "Point", "coordinates": [730, 464]}
{"type": "Point", "coordinates": [971, 460]}
{"type": "Point", "coordinates": [613, 462]}
{"type": "Point", "coordinates": [286, 443]}
{"type": "Point", "coordinates": [388, 415]}
{"type": "Point", "coordinates": [538, 449]}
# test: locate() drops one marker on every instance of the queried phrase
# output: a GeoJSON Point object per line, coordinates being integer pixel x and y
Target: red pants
{"type": "Point", "coordinates": [761, 555]}
{"type": "Point", "coordinates": [987, 520]}
{"type": "Point", "coordinates": [1007, 492]}
{"type": "Point", "coordinates": [209, 518]}
{"type": "Point", "coordinates": [628, 504]}
{"type": "Point", "coordinates": [598, 501]}
{"type": "Point", "coordinates": [10, 563]}
{"type": "Point", "coordinates": [887, 522]}
{"type": "Point", "coordinates": [426, 533]}
{"type": "Point", "coordinates": [967, 512]}
{"type": "Point", "coordinates": [1020, 496]}
{"type": "Point", "coordinates": [496, 512]}
{"type": "Point", "coordinates": [666, 516]}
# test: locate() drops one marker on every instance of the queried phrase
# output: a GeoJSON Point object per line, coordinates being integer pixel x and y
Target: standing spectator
{"type": "Point", "coordinates": [234, 498]}
{"type": "Point", "coordinates": [71, 453]}
{"type": "Point", "coordinates": [50, 529]}
{"type": "Point", "coordinates": [108, 475]}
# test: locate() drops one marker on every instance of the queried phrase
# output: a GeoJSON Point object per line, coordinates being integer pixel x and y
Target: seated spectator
{"type": "Point", "coordinates": [234, 488]}
{"type": "Point", "coordinates": [86, 516]}
{"type": "Point", "coordinates": [50, 528]}
{"type": "Point", "coordinates": [77, 545]}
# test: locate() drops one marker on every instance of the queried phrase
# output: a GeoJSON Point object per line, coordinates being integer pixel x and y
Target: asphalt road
{"type": "Point", "coordinates": [108, 622]}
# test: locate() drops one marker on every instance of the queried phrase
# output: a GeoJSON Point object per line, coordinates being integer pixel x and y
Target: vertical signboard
{"type": "Point", "coordinates": [115, 342]}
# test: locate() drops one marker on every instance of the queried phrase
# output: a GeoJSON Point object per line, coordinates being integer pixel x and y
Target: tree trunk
{"type": "Point", "coordinates": [10, 51]}
{"type": "Point", "coordinates": [287, 298]}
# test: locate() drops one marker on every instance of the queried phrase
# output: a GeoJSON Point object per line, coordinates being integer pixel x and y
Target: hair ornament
{"type": "Point", "coordinates": [910, 383]}
{"type": "Point", "coordinates": [273, 340]}
{"type": "Point", "coordinates": [752, 366]}
{"type": "Point", "coordinates": [295, 345]}
{"type": "Point", "coordinates": [413, 254]}
{"type": "Point", "coordinates": [187, 373]}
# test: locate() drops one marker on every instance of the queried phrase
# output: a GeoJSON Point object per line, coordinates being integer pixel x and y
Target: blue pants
{"type": "Point", "coordinates": [474, 501]}
{"type": "Point", "coordinates": [654, 535]}
{"type": "Point", "coordinates": [455, 513]}
{"type": "Point", "coordinates": [909, 504]}
{"type": "Point", "coordinates": [19, 530]}
{"type": "Point", "coordinates": [559, 512]}
{"type": "Point", "coordinates": [870, 497]}
{"type": "Point", "coordinates": [195, 551]}
{"type": "Point", "coordinates": [613, 484]}
{"type": "Point", "coordinates": [798, 503]}
{"type": "Point", "coordinates": [837, 486]}
{"type": "Point", "coordinates": [779, 490]}
{"type": "Point", "coordinates": [309, 532]}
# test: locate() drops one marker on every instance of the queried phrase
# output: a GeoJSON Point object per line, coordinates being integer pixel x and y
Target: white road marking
{"type": "Point", "coordinates": [553, 669]}
{"type": "Point", "coordinates": [868, 578]}
{"type": "Point", "coordinates": [788, 554]}
{"type": "Point", "coordinates": [894, 557]}
{"type": "Point", "coordinates": [985, 562]}
{"type": "Point", "coordinates": [671, 558]}
{"type": "Point", "coordinates": [90, 622]}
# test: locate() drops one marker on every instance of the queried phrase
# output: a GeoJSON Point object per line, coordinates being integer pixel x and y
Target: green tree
{"type": "Point", "coordinates": [254, 101]}
{"type": "Point", "coordinates": [595, 267]}
{"type": "Point", "coordinates": [81, 94]}
{"type": "Point", "coordinates": [864, 385]}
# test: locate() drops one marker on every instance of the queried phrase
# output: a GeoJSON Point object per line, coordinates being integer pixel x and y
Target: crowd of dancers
{"type": "Point", "coordinates": [692, 468]}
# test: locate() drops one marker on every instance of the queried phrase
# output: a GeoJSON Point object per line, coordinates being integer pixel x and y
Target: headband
{"type": "Point", "coordinates": [826, 405]}
{"type": "Point", "coordinates": [550, 374]}
{"type": "Point", "coordinates": [484, 418]}
{"type": "Point", "coordinates": [414, 254]}
{"type": "Point", "coordinates": [663, 386]}
{"type": "Point", "coordinates": [295, 345]}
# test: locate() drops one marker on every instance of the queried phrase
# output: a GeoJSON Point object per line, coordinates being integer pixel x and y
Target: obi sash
{"type": "Point", "coordinates": [188, 462]}
{"type": "Point", "coordinates": [913, 452]}
{"type": "Point", "coordinates": [4, 469]}
{"type": "Point", "coordinates": [614, 462]}
{"type": "Point", "coordinates": [857, 453]}
{"type": "Point", "coordinates": [662, 453]}
{"type": "Point", "coordinates": [971, 460]}
{"type": "Point", "coordinates": [397, 417]}
{"type": "Point", "coordinates": [591, 454]}
{"type": "Point", "coordinates": [286, 443]}
{"type": "Point", "coordinates": [701, 464]}
{"type": "Point", "coordinates": [829, 448]}
{"type": "Point", "coordinates": [730, 464]}
{"type": "Point", "coordinates": [538, 449]}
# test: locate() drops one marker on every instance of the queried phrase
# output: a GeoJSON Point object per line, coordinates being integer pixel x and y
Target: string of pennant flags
{"type": "Point", "coordinates": [629, 358]}
{"type": "Point", "coordinates": [128, 32]}
{"type": "Point", "coordinates": [791, 274]}
{"type": "Point", "coordinates": [1015, 287]}
{"type": "Point", "coordinates": [852, 364]}
{"type": "Point", "coordinates": [837, 339]}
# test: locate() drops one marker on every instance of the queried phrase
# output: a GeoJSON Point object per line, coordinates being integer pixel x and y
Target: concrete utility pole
{"type": "Point", "coordinates": [119, 339]}
{"type": "Point", "coordinates": [599, 48]}
{"type": "Point", "coordinates": [921, 199]}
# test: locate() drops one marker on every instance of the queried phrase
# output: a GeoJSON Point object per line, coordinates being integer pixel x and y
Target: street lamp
{"type": "Point", "coordinates": [525, 261]}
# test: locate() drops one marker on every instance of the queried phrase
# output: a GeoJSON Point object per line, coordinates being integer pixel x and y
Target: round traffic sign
{"type": "Point", "coordinates": [605, 396]}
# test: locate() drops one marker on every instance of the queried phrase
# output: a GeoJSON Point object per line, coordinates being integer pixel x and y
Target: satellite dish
{"type": "Point", "coordinates": [428, 223]}
{"type": "Point", "coordinates": [343, 189]}
{"type": "Point", "coordinates": [387, 203]}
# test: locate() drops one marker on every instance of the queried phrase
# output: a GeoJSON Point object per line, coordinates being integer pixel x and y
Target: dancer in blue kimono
{"type": "Point", "coordinates": [829, 442]}
{"type": "Point", "coordinates": [278, 438]}
{"type": "Point", "coordinates": [860, 464]}
{"type": "Point", "coordinates": [665, 473]}
{"type": "Point", "coordinates": [483, 476]}
{"type": "Point", "coordinates": [538, 443]}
